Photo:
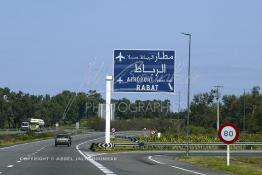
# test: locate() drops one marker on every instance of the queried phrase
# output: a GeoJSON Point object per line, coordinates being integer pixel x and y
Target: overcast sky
{"type": "Point", "coordinates": [54, 45]}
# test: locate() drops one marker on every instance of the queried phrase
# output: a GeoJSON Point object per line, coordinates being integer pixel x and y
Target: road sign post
{"type": "Point", "coordinates": [228, 154]}
{"type": "Point", "coordinates": [228, 133]}
{"type": "Point", "coordinates": [108, 108]}
{"type": "Point", "coordinates": [144, 70]}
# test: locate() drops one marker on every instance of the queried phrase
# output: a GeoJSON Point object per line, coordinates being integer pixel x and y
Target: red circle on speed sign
{"type": "Point", "coordinates": [228, 133]}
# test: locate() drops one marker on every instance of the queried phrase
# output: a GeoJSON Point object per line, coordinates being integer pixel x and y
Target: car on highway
{"type": "Point", "coordinates": [63, 139]}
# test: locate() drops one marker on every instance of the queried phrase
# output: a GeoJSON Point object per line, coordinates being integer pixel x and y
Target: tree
{"type": "Point", "coordinates": [202, 110]}
{"type": "Point", "coordinates": [231, 109]}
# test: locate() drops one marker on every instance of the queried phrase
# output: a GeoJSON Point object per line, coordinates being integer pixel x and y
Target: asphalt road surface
{"type": "Point", "coordinates": [43, 158]}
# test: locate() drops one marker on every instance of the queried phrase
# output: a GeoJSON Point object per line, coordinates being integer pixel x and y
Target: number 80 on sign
{"type": "Point", "coordinates": [228, 133]}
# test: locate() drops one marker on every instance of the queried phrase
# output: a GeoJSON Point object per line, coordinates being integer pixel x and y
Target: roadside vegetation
{"type": "Point", "coordinates": [181, 137]}
{"type": "Point", "coordinates": [146, 141]}
{"type": "Point", "coordinates": [68, 107]}
{"type": "Point", "coordinates": [18, 138]}
{"type": "Point", "coordinates": [197, 135]}
{"type": "Point", "coordinates": [12, 139]}
{"type": "Point", "coordinates": [238, 165]}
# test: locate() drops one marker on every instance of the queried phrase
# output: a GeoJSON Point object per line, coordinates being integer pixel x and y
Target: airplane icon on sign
{"type": "Point", "coordinates": [120, 57]}
{"type": "Point", "coordinates": [119, 80]}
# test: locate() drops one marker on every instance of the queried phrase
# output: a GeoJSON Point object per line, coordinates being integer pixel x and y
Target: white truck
{"type": "Point", "coordinates": [36, 124]}
{"type": "Point", "coordinates": [24, 125]}
{"type": "Point", "coordinates": [33, 125]}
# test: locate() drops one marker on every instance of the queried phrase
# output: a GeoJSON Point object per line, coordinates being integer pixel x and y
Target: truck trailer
{"type": "Point", "coordinates": [32, 125]}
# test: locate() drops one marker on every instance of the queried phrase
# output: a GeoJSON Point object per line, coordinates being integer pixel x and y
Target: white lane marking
{"type": "Point", "coordinates": [92, 154]}
{"type": "Point", "coordinates": [29, 155]}
{"type": "Point", "coordinates": [100, 166]}
{"type": "Point", "coordinates": [10, 166]}
{"type": "Point", "coordinates": [150, 158]}
{"type": "Point", "coordinates": [89, 158]}
{"type": "Point", "coordinates": [183, 169]}
{"type": "Point", "coordinates": [187, 170]}
{"type": "Point", "coordinates": [41, 149]}
{"type": "Point", "coordinates": [18, 161]}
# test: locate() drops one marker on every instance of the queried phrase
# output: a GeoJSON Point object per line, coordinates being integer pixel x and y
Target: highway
{"type": "Point", "coordinates": [42, 158]}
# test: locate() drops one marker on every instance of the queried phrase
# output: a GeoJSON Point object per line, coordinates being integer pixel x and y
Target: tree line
{"type": "Point", "coordinates": [244, 110]}
{"type": "Point", "coordinates": [68, 107]}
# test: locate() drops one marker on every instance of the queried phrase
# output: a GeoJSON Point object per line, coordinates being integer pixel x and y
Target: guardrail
{"type": "Point", "coordinates": [179, 146]}
{"type": "Point", "coordinates": [205, 144]}
{"type": "Point", "coordinates": [192, 146]}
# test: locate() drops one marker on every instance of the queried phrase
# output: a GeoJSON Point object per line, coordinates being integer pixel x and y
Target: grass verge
{"type": "Point", "coordinates": [19, 138]}
{"type": "Point", "coordinates": [238, 165]}
{"type": "Point", "coordinates": [12, 139]}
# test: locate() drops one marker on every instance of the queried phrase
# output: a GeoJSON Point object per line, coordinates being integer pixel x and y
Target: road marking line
{"type": "Point", "coordinates": [183, 169]}
{"type": "Point", "coordinates": [91, 154]}
{"type": "Point", "coordinates": [10, 166]}
{"type": "Point", "coordinates": [89, 158]}
{"type": "Point", "coordinates": [41, 148]}
{"type": "Point", "coordinates": [150, 158]}
{"type": "Point", "coordinates": [187, 170]}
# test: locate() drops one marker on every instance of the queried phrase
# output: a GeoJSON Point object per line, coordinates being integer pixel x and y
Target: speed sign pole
{"type": "Point", "coordinates": [228, 154]}
{"type": "Point", "coordinates": [228, 133]}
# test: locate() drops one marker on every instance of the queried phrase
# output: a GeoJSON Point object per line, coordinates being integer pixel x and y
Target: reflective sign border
{"type": "Point", "coordinates": [220, 133]}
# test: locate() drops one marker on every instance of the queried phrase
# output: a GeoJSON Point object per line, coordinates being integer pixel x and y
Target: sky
{"type": "Point", "coordinates": [54, 45]}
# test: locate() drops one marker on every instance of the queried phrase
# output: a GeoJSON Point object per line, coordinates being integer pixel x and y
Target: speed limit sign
{"type": "Point", "coordinates": [228, 133]}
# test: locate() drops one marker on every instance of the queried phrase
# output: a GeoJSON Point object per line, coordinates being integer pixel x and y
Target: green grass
{"type": "Point", "coordinates": [181, 138]}
{"type": "Point", "coordinates": [238, 165]}
{"type": "Point", "coordinates": [178, 137]}
{"type": "Point", "coordinates": [18, 138]}
{"type": "Point", "coordinates": [11, 139]}
{"type": "Point", "coordinates": [120, 140]}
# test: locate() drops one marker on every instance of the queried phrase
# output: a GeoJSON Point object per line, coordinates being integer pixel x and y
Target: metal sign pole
{"type": "Point", "coordinates": [108, 108]}
{"type": "Point", "coordinates": [228, 154]}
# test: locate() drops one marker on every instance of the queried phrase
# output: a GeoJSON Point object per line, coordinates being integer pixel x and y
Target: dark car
{"type": "Point", "coordinates": [63, 139]}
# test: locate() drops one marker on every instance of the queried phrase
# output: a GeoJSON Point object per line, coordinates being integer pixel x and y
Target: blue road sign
{"type": "Point", "coordinates": [144, 70]}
